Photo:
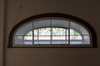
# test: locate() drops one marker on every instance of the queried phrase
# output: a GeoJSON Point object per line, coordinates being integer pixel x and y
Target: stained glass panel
{"type": "Point", "coordinates": [36, 31]}
{"type": "Point", "coordinates": [29, 33]}
{"type": "Point", "coordinates": [58, 35]}
{"type": "Point", "coordinates": [73, 32]}
{"type": "Point", "coordinates": [44, 31]}
{"type": "Point", "coordinates": [58, 31]}
{"type": "Point", "coordinates": [28, 38]}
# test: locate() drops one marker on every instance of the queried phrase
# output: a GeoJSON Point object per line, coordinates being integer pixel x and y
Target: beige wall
{"type": "Point", "coordinates": [1, 30]}
{"type": "Point", "coordinates": [88, 10]}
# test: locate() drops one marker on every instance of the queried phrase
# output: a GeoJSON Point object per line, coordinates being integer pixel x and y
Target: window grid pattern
{"type": "Point", "coordinates": [51, 37]}
{"type": "Point", "coordinates": [36, 36]}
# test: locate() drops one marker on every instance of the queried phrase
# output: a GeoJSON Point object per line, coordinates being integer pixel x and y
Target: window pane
{"type": "Point", "coordinates": [58, 31]}
{"type": "Point", "coordinates": [28, 42]}
{"type": "Point", "coordinates": [79, 40]}
{"type": "Point", "coordinates": [62, 23]}
{"type": "Point", "coordinates": [44, 42]}
{"type": "Point", "coordinates": [58, 42]}
{"type": "Point", "coordinates": [44, 37]}
{"type": "Point", "coordinates": [75, 42]}
{"type": "Point", "coordinates": [58, 37]}
{"type": "Point", "coordinates": [86, 40]}
{"type": "Point", "coordinates": [78, 28]}
{"type": "Point", "coordinates": [36, 42]}
{"type": "Point", "coordinates": [36, 31]}
{"type": "Point", "coordinates": [24, 29]}
{"type": "Point", "coordinates": [73, 32]}
{"type": "Point", "coordinates": [28, 37]}
{"type": "Point", "coordinates": [41, 23]}
{"type": "Point", "coordinates": [41, 42]}
{"type": "Point", "coordinates": [78, 37]}
{"type": "Point", "coordinates": [29, 33]}
{"type": "Point", "coordinates": [66, 31]}
{"type": "Point", "coordinates": [20, 40]}
{"type": "Point", "coordinates": [36, 37]}
{"type": "Point", "coordinates": [44, 31]}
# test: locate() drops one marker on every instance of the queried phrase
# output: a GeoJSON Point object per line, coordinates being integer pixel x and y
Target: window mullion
{"type": "Point", "coordinates": [38, 36]}
{"type": "Point", "coordinates": [33, 32]}
{"type": "Point", "coordinates": [51, 32]}
{"type": "Point", "coordinates": [65, 36]}
{"type": "Point", "coordinates": [69, 34]}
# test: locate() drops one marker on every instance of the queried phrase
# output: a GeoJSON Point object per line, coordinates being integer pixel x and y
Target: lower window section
{"type": "Point", "coordinates": [52, 37]}
{"type": "Point", "coordinates": [28, 42]}
{"type": "Point", "coordinates": [19, 40]}
{"type": "Point", "coordinates": [41, 42]}
{"type": "Point", "coordinates": [50, 42]}
{"type": "Point", "coordinates": [74, 40]}
{"type": "Point", "coordinates": [55, 40]}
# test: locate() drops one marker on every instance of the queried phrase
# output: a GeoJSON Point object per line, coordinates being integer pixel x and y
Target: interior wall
{"type": "Point", "coordinates": [1, 30]}
{"type": "Point", "coordinates": [84, 9]}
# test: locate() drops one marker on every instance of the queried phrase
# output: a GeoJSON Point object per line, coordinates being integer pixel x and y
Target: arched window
{"type": "Point", "coordinates": [52, 30]}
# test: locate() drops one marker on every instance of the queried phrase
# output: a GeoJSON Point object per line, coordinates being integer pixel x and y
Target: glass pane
{"type": "Point", "coordinates": [59, 42]}
{"type": "Point", "coordinates": [78, 37]}
{"type": "Point", "coordinates": [36, 31]}
{"type": "Point", "coordinates": [44, 42]}
{"type": "Point", "coordinates": [58, 31]}
{"type": "Point", "coordinates": [58, 37]}
{"type": "Point", "coordinates": [75, 41]}
{"type": "Point", "coordinates": [78, 28]}
{"type": "Point", "coordinates": [36, 37]}
{"type": "Point", "coordinates": [67, 31]}
{"type": "Point", "coordinates": [24, 29]}
{"type": "Point", "coordinates": [36, 42]}
{"type": "Point", "coordinates": [44, 31]}
{"type": "Point", "coordinates": [62, 23]}
{"type": "Point", "coordinates": [44, 37]}
{"type": "Point", "coordinates": [20, 40]}
{"type": "Point", "coordinates": [41, 42]}
{"type": "Point", "coordinates": [73, 32]}
{"type": "Point", "coordinates": [28, 42]}
{"type": "Point", "coordinates": [29, 33]}
{"type": "Point", "coordinates": [41, 23]}
{"type": "Point", "coordinates": [79, 40]}
{"type": "Point", "coordinates": [28, 37]}
{"type": "Point", "coordinates": [86, 40]}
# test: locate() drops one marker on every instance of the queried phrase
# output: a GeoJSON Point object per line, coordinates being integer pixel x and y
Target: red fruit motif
{"type": "Point", "coordinates": [44, 28]}
{"type": "Point", "coordinates": [40, 29]}
{"type": "Point", "coordinates": [62, 30]}
{"type": "Point", "coordinates": [74, 31]}
{"type": "Point", "coordinates": [49, 30]}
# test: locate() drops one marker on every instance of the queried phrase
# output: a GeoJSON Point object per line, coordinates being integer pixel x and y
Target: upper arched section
{"type": "Point", "coordinates": [55, 20]}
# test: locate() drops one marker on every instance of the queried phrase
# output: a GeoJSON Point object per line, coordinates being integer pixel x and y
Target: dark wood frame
{"type": "Point", "coordinates": [58, 15]}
